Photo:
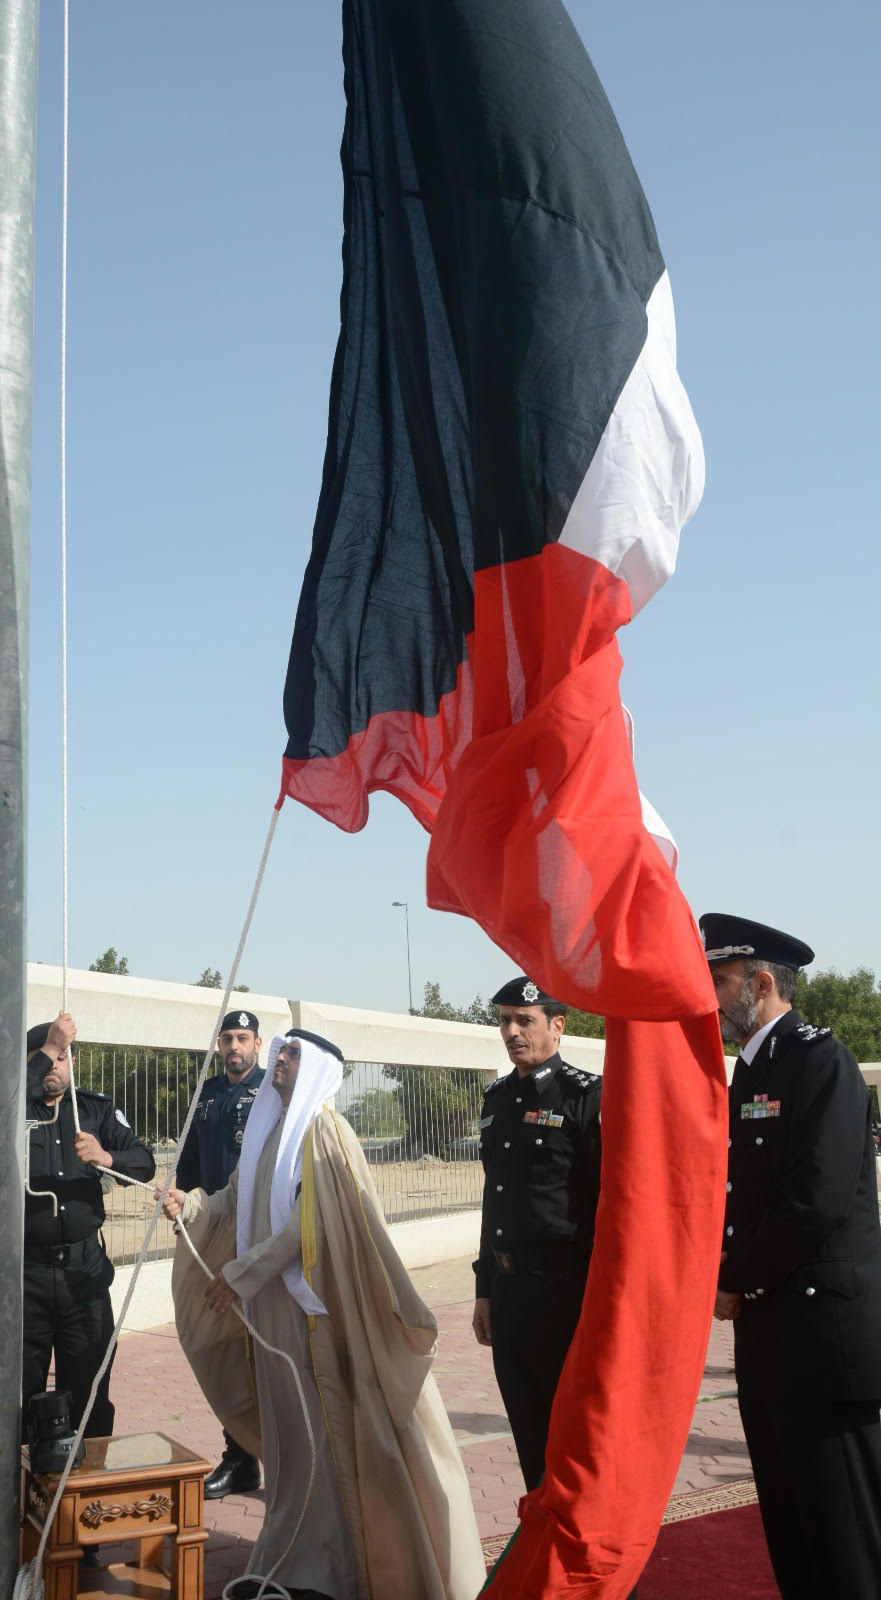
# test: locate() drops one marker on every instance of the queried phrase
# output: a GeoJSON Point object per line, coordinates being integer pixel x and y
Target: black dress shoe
{"type": "Point", "coordinates": [234, 1474]}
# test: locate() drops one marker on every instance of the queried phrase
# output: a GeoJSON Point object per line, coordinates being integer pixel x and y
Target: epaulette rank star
{"type": "Point", "coordinates": [585, 1080]}
{"type": "Point", "coordinates": [809, 1033]}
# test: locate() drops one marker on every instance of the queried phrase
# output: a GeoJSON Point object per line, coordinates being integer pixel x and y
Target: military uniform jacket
{"type": "Point", "coordinates": [801, 1220]}
{"type": "Point", "coordinates": [214, 1142]}
{"type": "Point", "coordinates": [54, 1166]}
{"type": "Point", "coordinates": [540, 1147]}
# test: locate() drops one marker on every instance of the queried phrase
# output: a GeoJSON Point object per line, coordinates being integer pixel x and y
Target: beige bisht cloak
{"type": "Point", "coordinates": [400, 1475]}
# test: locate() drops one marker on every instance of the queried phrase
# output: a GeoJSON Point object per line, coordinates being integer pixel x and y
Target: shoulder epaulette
{"type": "Point", "coordinates": [495, 1083]}
{"type": "Point", "coordinates": [91, 1094]}
{"type": "Point", "coordinates": [583, 1080]}
{"type": "Point", "coordinates": [808, 1033]}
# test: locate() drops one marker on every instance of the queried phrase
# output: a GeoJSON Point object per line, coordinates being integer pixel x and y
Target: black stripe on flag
{"type": "Point", "coordinates": [498, 257]}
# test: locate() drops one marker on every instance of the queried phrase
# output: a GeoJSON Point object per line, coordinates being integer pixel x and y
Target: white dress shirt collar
{"type": "Point", "coordinates": [749, 1050]}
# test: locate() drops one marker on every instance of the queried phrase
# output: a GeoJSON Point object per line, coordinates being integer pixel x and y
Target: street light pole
{"type": "Point", "coordinates": [407, 931]}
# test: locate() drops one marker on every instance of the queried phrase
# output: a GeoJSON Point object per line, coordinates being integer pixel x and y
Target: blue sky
{"type": "Point", "coordinates": [204, 276]}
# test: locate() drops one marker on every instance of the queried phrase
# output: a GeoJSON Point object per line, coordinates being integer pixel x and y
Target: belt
{"type": "Point", "coordinates": [538, 1258]}
{"type": "Point", "coordinates": [60, 1255]}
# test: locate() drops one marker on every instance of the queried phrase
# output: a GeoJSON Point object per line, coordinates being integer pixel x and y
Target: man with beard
{"type": "Point", "coordinates": [67, 1273]}
{"type": "Point", "coordinates": [207, 1161]}
{"type": "Point", "coordinates": [366, 1495]}
{"type": "Point", "coordinates": [801, 1269]}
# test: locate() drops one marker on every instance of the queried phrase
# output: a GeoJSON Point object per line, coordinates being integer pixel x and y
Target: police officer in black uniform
{"type": "Point", "coordinates": [207, 1161]}
{"type": "Point", "coordinates": [67, 1274]}
{"type": "Point", "coordinates": [801, 1270]}
{"type": "Point", "coordinates": [540, 1146]}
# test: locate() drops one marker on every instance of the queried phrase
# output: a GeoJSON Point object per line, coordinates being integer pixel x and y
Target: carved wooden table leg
{"type": "Point", "coordinates": [188, 1545]}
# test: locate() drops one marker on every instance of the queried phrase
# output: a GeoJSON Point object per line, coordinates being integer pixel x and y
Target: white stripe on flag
{"type": "Point", "coordinates": [652, 821]}
{"type": "Point", "coordinates": [647, 475]}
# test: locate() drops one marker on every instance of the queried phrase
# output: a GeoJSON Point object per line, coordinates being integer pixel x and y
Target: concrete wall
{"type": "Point", "coordinates": [180, 1016]}
{"type": "Point", "coordinates": [142, 1011]}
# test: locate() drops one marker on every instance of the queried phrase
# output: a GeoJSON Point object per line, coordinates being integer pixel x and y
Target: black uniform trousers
{"type": "Point", "coordinates": [533, 1316]}
{"type": "Point", "coordinates": [818, 1478]}
{"type": "Point", "coordinates": [67, 1309]}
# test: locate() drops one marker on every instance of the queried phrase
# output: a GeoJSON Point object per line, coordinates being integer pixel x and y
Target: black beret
{"type": "Point", "coordinates": [731, 938]}
{"type": "Point", "coordinates": [37, 1036]}
{"type": "Point", "coordinates": [315, 1038]}
{"type": "Point", "coordinates": [239, 1019]}
{"type": "Point", "coordinates": [523, 992]}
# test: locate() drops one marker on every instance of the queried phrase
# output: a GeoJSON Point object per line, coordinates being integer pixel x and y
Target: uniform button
{"type": "Point", "coordinates": [728, 1187]}
{"type": "Point", "coordinates": [729, 1230]}
{"type": "Point", "coordinates": [57, 1141]}
{"type": "Point", "coordinates": [507, 1144]}
{"type": "Point", "coordinates": [760, 1140]}
{"type": "Point", "coordinates": [60, 1173]}
{"type": "Point", "coordinates": [760, 1291]}
{"type": "Point", "coordinates": [539, 1141]}
{"type": "Point", "coordinates": [519, 1100]}
{"type": "Point", "coordinates": [810, 1291]}
{"type": "Point", "coordinates": [498, 1188]}
{"type": "Point", "coordinates": [61, 1208]}
{"type": "Point", "coordinates": [499, 1234]}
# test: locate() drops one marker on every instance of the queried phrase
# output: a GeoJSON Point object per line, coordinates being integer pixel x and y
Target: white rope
{"type": "Point", "coordinates": [29, 1583]}
{"type": "Point", "coordinates": [267, 1589]}
{"type": "Point", "coordinates": [63, 377]}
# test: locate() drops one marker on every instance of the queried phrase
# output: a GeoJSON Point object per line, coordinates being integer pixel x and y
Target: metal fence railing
{"type": "Point", "coordinates": [418, 1128]}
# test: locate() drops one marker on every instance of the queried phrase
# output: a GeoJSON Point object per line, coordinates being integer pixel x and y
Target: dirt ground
{"type": "Point", "coordinates": [408, 1190]}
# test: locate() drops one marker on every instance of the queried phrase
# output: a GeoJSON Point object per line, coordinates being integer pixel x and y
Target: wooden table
{"type": "Point", "coordinates": [141, 1486]}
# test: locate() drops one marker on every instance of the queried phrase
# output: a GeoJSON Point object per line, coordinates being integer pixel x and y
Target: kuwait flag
{"type": "Point", "coordinates": [510, 458]}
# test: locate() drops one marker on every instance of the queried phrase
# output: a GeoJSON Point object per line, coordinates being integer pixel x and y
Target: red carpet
{"type": "Point", "coordinates": [711, 1547]}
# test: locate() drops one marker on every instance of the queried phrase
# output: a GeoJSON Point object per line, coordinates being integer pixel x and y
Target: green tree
{"type": "Point", "coordinates": [433, 1005]}
{"type": "Point", "coordinates": [211, 979]}
{"type": "Point", "coordinates": [436, 1105]}
{"type": "Point", "coordinates": [849, 1005]}
{"type": "Point", "coordinates": [582, 1024]}
{"type": "Point", "coordinates": [111, 962]}
{"type": "Point", "coordinates": [376, 1114]}
{"type": "Point", "coordinates": [152, 1087]}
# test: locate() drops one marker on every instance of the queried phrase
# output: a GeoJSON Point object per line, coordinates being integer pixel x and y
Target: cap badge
{"type": "Point", "coordinates": [530, 992]}
{"type": "Point", "coordinates": [243, 1019]}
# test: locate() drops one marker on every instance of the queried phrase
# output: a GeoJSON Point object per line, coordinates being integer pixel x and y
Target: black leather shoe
{"type": "Point", "coordinates": [234, 1474]}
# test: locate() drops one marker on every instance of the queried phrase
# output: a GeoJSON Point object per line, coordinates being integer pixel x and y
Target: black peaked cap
{"type": "Point", "coordinates": [240, 1019]}
{"type": "Point", "coordinates": [731, 938]}
{"type": "Point", "coordinates": [523, 992]}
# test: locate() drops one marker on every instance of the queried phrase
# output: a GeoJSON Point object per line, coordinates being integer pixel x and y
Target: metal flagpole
{"type": "Point", "coordinates": [18, 90]}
